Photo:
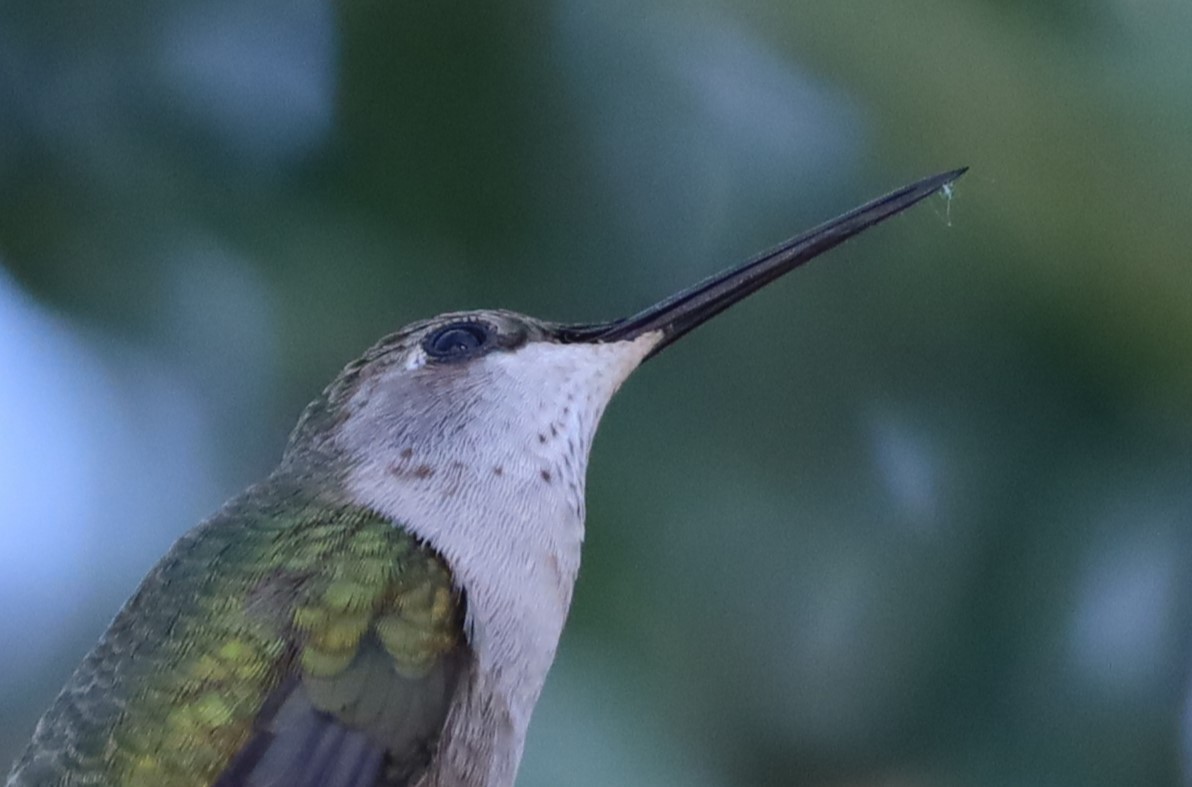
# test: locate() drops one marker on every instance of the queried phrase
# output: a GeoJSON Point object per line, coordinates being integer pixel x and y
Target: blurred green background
{"type": "Point", "coordinates": [918, 516]}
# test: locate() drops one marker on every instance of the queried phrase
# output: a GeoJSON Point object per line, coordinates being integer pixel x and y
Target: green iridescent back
{"type": "Point", "coordinates": [283, 609]}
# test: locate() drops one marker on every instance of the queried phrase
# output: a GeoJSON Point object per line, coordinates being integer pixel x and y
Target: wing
{"type": "Point", "coordinates": [284, 642]}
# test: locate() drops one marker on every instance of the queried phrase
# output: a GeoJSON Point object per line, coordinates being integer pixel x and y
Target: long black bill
{"type": "Point", "coordinates": [680, 313]}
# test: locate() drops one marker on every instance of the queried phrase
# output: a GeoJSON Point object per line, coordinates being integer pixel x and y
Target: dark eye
{"type": "Point", "coordinates": [459, 340]}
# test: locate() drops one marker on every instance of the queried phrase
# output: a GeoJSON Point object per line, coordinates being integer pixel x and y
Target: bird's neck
{"type": "Point", "coordinates": [508, 518]}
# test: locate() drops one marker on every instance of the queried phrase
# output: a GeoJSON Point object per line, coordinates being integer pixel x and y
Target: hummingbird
{"type": "Point", "coordinates": [384, 607]}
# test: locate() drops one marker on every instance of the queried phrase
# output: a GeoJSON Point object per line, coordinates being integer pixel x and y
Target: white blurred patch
{"type": "Point", "coordinates": [691, 105]}
{"type": "Point", "coordinates": [104, 461]}
{"type": "Point", "coordinates": [760, 104]}
{"type": "Point", "coordinates": [1123, 624]}
{"type": "Point", "coordinates": [909, 471]}
{"type": "Point", "coordinates": [47, 380]}
{"type": "Point", "coordinates": [220, 321]}
{"type": "Point", "coordinates": [259, 76]}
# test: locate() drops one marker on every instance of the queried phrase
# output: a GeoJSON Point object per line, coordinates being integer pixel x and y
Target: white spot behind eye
{"type": "Point", "coordinates": [416, 360]}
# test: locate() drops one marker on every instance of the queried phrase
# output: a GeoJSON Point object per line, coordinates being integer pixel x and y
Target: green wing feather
{"type": "Point", "coordinates": [281, 607]}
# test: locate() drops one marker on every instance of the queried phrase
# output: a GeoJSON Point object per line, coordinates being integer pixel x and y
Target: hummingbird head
{"type": "Point", "coordinates": [468, 384]}
{"type": "Point", "coordinates": [465, 388]}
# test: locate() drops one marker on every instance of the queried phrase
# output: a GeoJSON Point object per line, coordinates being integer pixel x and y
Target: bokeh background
{"type": "Point", "coordinates": [920, 515]}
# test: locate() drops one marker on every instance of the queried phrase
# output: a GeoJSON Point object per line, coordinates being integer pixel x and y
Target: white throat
{"type": "Point", "coordinates": [491, 474]}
